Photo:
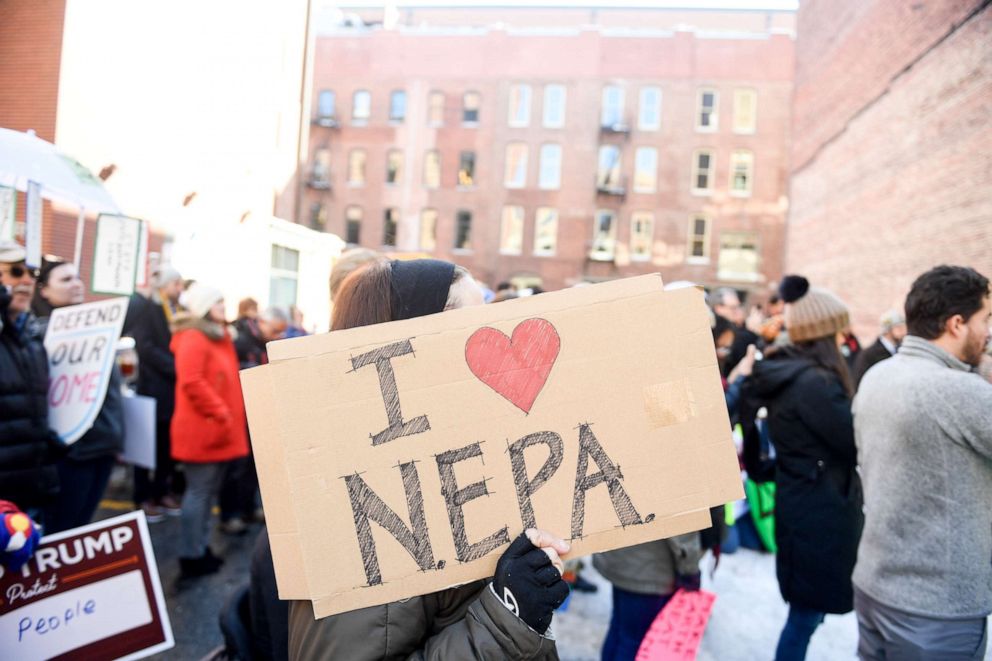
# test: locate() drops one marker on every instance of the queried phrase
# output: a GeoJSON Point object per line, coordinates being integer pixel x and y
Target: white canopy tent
{"type": "Point", "coordinates": [24, 157]}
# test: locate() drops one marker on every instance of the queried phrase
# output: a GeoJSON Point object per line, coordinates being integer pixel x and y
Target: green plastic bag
{"type": "Point", "coordinates": [761, 500]}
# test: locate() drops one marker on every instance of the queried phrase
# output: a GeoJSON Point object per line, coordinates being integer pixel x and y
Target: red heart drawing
{"type": "Point", "coordinates": [516, 367]}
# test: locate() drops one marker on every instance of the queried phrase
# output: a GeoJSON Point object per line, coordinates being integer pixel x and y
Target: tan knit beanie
{"type": "Point", "coordinates": [811, 312]}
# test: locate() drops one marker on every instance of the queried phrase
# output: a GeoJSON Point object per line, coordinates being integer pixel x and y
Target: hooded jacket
{"type": "Point", "coordinates": [818, 498]}
{"type": "Point", "coordinates": [208, 424]}
{"type": "Point", "coordinates": [650, 568]}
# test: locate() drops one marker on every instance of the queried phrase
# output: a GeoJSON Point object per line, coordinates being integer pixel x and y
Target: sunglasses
{"type": "Point", "coordinates": [19, 270]}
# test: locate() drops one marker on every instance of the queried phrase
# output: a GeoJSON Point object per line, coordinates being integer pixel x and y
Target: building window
{"type": "Point", "coordinates": [604, 236]}
{"type": "Point", "coordinates": [321, 175]}
{"type": "Point", "coordinates": [707, 116]}
{"type": "Point", "coordinates": [432, 169]}
{"type": "Point", "coordinates": [645, 170]}
{"type": "Point", "coordinates": [608, 171]}
{"type": "Point", "coordinates": [463, 230]}
{"type": "Point", "coordinates": [352, 225]}
{"type": "Point", "coordinates": [428, 229]}
{"type": "Point", "coordinates": [318, 216]}
{"type": "Point", "coordinates": [356, 167]}
{"type": "Point", "coordinates": [397, 106]}
{"type": "Point", "coordinates": [550, 175]}
{"type": "Point", "coordinates": [745, 111]}
{"type": "Point", "coordinates": [738, 257]}
{"type": "Point", "coordinates": [741, 172]}
{"type": "Point", "coordinates": [361, 106]}
{"type": "Point", "coordinates": [394, 166]}
{"type": "Point", "coordinates": [641, 235]}
{"type": "Point", "coordinates": [519, 106]}
{"type": "Point", "coordinates": [435, 109]}
{"type": "Point", "coordinates": [545, 231]}
{"type": "Point", "coordinates": [611, 115]}
{"type": "Point", "coordinates": [511, 233]}
{"type": "Point", "coordinates": [702, 172]}
{"type": "Point", "coordinates": [466, 169]}
{"type": "Point", "coordinates": [390, 220]}
{"type": "Point", "coordinates": [325, 104]}
{"type": "Point", "coordinates": [699, 240]}
{"type": "Point", "coordinates": [516, 165]}
{"type": "Point", "coordinates": [470, 108]}
{"type": "Point", "coordinates": [649, 115]}
{"type": "Point", "coordinates": [284, 276]}
{"type": "Point", "coordinates": [554, 106]}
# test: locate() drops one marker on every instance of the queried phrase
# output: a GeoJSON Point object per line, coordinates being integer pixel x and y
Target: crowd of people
{"type": "Point", "coordinates": [868, 471]}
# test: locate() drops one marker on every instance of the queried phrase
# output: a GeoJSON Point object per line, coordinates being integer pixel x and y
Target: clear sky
{"type": "Point", "coordinates": [683, 4]}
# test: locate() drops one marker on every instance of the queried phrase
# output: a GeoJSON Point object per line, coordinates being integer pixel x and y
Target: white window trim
{"type": "Point", "coordinates": [511, 119]}
{"type": "Point", "coordinates": [546, 253]}
{"type": "Point", "coordinates": [633, 256]}
{"type": "Point", "coordinates": [473, 123]}
{"type": "Point", "coordinates": [502, 221]}
{"type": "Point", "coordinates": [640, 105]}
{"type": "Point", "coordinates": [714, 117]}
{"type": "Point", "coordinates": [690, 258]}
{"type": "Point", "coordinates": [750, 178]}
{"type": "Point", "coordinates": [544, 107]}
{"type": "Point", "coordinates": [622, 106]}
{"type": "Point", "coordinates": [703, 192]}
{"type": "Point", "coordinates": [754, 112]}
{"type": "Point", "coordinates": [654, 180]}
{"type": "Point", "coordinates": [360, 121]}
{"type": "Point", "coordinates": [599, 255]}
{"type": "Point", "coordinates": [430, 122]}
{"type": "Point", "coordinates": [540, 166]}
{"type": "Point", "coordinates": [513, 185]}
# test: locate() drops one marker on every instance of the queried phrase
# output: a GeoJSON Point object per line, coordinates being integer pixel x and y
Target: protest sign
{"type": "Point", "coordinates": [139, 431]}
{"type": "Point", "coordinates": [678, 629]}
{"type": "Point", "coordinates": [8, 213]}
{"type": "Point", "coordinates": [87, 593]}
{"type": "Point", "coordinates": [401, 458]}
{"type": "Point", "coordinates": [116, 255]}
{"type": "Point", "coordinates": [32, 225]}
{"type": "Point", "coordinates": [81, 341]}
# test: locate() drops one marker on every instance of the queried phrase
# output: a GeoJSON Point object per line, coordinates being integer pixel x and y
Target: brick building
{"type": "Point", "coordinates": [560, 152]}
{"type": "Point", "coordinates": [892, 148]}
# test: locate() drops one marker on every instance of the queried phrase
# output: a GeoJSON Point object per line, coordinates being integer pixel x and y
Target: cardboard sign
{"type": "Point", "coordinates": [402, 458]}
{"type": "Point", "coordinates": [676, 633]}
{"type": "Point", "coordinates": [87, 593]}
{"type": "Point", "coordinates": [81, 341]}
{"type": "Point", "coordinates": [139, 431]}
{"type": "Point", "coordinates": [116, 255]}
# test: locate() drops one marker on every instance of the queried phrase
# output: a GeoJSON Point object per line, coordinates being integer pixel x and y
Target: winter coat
{"type": "Point", "coordinates": [818, 518]}
{"type": "Point", "coordinates": [147, 324]}
{"type": "Point", "coordinates": [106, 437]}
{"type": "Point", "coordinates": [249, 344]}
{"type": "Point", "coordinates": [208, 424]}
{"type": "Point", "coordinates": [460, 623]}
{"type": "Point", "coordinates": [876, 353]}
{"type": "Point", "coordinates": [29, 449]}
{"type": "Point", "coordinates": [650, 568]}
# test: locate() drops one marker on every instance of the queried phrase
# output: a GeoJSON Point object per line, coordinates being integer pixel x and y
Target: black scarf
{"type": "Point", "coordinates": [420, 287]}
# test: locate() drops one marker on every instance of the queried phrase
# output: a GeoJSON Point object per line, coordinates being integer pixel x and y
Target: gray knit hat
{"type": "Point", "coordinates": [811, 312]}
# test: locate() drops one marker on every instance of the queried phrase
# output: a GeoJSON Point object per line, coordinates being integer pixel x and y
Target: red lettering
{"type": "Point", "coordinates": [74, 389]}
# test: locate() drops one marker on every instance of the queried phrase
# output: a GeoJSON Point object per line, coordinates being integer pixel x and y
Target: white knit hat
{"type": "Point", "coordinates": [11, 253]}
{"type": "Point", "coordinates": [199, 298]}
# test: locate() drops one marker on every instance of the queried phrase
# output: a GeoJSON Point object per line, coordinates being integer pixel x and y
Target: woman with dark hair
{"type": "Point", "coordinates": [507, 618]}
{"type": "Point", "coordinates": [807, 391]}
{"type": "Point", "coordinates": [85, 469]}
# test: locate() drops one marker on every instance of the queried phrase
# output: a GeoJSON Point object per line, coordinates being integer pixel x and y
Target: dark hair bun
{"type": "Point", "coordinates": [793, 288]}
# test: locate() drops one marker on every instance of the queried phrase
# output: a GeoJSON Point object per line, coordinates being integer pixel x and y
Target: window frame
{"type": "Point", "coordinates": [364, 169]}
{"type": "Point", "coordinates": [521, 168]}
{"type": "Point", "coordinates": [519, 219]}
{"type": "Point", "coordinates": [424, 214]}
{"type": "Point", "coordinates": [356, 221]}
{"type": "Point", "coordinates": [461, 160]}
{"type": "Point", "coordinates": [706, 240]}
{"type": "Point", "coordinates": [641, 126]}
{"type": "Point", "coordinates": [390, 215]}
{"type": "Point", "coordinates": [393, 95]}
{"type": "Point", "coordinates": [459, 213]}
{"type": "Point", "coordinates": [602, 182]}
{"type": "Point", "coordinates": [437, 158]}
{"type": "Point", "coordinates": [545, 105]}
{"type": "Point", "coordinates": [361, 120]}
{"type": "Point", "coordinates": [734, 191]}
{"type": "Point", "coordinates": [715, 113]}
{"type": "Point", "coordinates": [537, 225]}
{"type": "Point", "coordinates": [710, 172]}
{"type": "Point", "coordinates": [654, 177]}
{"type": "Point", "coordinates": [431, 96]}
{"type": "Point", "coordinates": [649, 217]}
{"type": "Point", "coordinates": [740, 276]}
{"type": "Point", "coordinates": [622, 102]}
{"type": "Point", "coordinates": [541, 183]}
{"type": "Point", "coordinates": [398, 177]}
{"type": "Point", "coordinates": [524, 102]}
{"type": "Point", "coordinates": [465, 109]}
{"type": "Point", "coordinates": [333, 97]}
{"type": "Point", "coordinates": [280, 273]}
{"type": "Point", "coordinates": [600, 255]}
{"type": "Point", "coordinates": [753, 127]}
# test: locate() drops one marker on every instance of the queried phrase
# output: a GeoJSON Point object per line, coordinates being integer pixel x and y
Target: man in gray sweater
{"type": "Point", "coordinates": [923, 425]}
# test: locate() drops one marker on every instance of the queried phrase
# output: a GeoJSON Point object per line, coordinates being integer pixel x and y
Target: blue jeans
{"type": "Point", "coordinates": [632, 617]}
{"type": "Point", "coordinates": [799, 628]}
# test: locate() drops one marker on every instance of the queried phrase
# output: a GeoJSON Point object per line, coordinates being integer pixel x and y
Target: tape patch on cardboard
{"type": "Point", "coordinates": [669, 403]}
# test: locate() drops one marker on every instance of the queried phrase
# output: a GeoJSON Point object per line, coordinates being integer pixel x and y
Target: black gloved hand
{"type": "Point", "coordinates": [529, 585]}
{"type": "Point", "coordinates": [688, 582]}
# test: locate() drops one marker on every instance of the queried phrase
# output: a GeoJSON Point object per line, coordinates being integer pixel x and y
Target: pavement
{"type": "Point", "coordinates": [747, 616]}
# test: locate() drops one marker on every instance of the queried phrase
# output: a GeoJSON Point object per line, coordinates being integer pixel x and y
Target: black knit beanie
{"type": "Point", "coordinates": [419, 287]}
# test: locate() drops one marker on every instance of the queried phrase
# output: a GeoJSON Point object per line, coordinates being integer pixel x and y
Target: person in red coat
{"type": "Point", "coordinates": [208, 426]}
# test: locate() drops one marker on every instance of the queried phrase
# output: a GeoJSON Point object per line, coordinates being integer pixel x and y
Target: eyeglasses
{"type": "Point", "coordinates": [19, 270]}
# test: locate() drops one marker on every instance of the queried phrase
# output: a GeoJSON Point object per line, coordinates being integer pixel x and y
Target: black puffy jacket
{"type": "Point", "coordinates": [147, 324]}
{"type": "Point", "coordinates": [28, 448]}
{"type": "Point", "coordinates": [818, 499]}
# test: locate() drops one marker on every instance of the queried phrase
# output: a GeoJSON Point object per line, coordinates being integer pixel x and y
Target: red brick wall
{"type": "Point", "coordinates": [30, 57]}
{"type": "Point", "coordinates": [584, 62]}
{"type": "Point", "coordinates": [893, 151]}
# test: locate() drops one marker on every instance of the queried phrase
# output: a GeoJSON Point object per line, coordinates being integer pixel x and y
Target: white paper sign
{"type": "Point", "coordinates": [142, 276]}
{"type": "Point", "coordinates": [139, 431]}
{"type": "Point", "coordinates": [8, 213]}
{"type": "Point", "coordinates": [81, 342]}
{"type": "Point", "coordinates": [115, 257]}
{"type": "Point", "coordinates": [32, 230]}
